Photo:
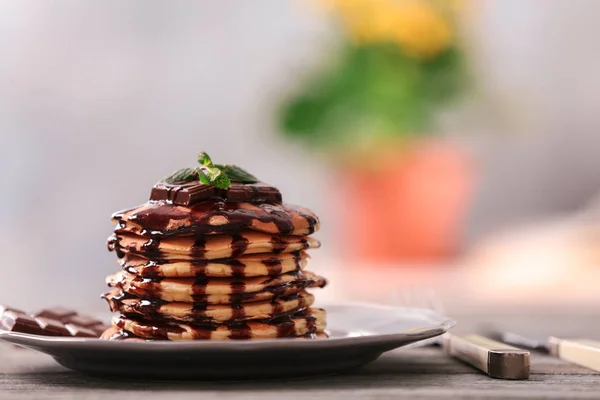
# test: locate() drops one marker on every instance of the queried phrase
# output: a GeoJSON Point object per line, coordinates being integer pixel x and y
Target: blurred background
{"type": "Point", "coordinates": [447, 145]}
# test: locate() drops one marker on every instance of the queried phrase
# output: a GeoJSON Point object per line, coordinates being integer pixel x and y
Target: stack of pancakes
{"type": "Point", "coordinates": [216, 269]}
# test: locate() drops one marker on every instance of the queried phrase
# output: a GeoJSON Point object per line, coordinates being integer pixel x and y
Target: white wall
{"type": "Point", "coordinates": [99, 99]}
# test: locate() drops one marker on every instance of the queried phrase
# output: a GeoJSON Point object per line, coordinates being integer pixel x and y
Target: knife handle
{"type": "Point", "coordinates": [584, 352]}
{"type": "Point", "coordinates": [496, 359]}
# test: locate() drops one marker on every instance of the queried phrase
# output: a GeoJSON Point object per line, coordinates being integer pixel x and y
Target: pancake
{"type": "Point", "coordinates": [207, 247]}
{"type": "Point", "coordinates": [310, 321]}
{"type": "Point", "coordinates": [189, 312]}
{"type": "Point", "coordinates": [164, 219]}
{"type": "Point", "coordinates": [115, 333]}
{"type": "Point", "coordinates": [196, 289]}
{"type": "Point", "coordinates": [202, 301]}
{"type": "Point", "coordinates": [244, 266]}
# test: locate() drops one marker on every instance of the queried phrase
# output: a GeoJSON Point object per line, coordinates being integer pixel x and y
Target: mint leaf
{"type": "Point", "coordinates": [219, 175]}
{"type": "Point", "coordinates": [211, 172]}
{"type": "Point", "coordinates": [202, 177]}
{"type": "Point", "coordinates": [214, 176]}
{"type": "Point", "coordinates": [204, 159]}
{"type": "Point", "coordinates": [181, 175]}
{"type": "Point", "coordinates": [222, 181]}
{"type": "Point", "coordinates": [237, 174]}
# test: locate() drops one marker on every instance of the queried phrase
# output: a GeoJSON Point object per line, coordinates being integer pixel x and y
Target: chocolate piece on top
{"type": "Point", "coordinates": [186, 194]}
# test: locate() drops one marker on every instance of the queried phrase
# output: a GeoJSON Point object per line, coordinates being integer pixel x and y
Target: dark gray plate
{"type": "Point", "coordinates": [359, 334]}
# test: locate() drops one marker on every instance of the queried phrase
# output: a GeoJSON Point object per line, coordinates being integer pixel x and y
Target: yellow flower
{"type": "Point", "coordinates": [421, 29]}
{"type": "Point", "coordinates": [418, 26]}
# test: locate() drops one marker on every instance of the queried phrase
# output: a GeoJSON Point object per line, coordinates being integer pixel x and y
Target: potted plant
{"type": "Point", "coordinates": [372, 108]}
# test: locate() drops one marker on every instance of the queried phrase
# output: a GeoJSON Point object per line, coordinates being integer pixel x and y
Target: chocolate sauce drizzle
{"type": "Point", "coordinates": [161, 328]}
{"type": "Point", "coordinates": [113, 245]}
{"type": "Point", "coordinates": [139, 298]}
{"type": "Point", "coordinates": [239, 245]}
{"type": "Point", "coordinates": [279, 244]}
{"type": "Point", "coordinates": [152, 308]}
{"type": "Point", "coordinates": [199, 247]}
{"type": "Point", "coordinates": [152, 268]}
{"type": "Point", "coordinates": [155, 219]}
{"type": "Point", "coordinates": [150, 287]}
{"type": "Point", "coordinates": [122, 335]}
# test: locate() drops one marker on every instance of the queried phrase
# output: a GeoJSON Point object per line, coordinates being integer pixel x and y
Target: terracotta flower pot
{"type": "Point", "coordinates": [411, 207]}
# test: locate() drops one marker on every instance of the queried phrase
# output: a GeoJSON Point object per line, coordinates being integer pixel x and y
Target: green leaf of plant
{"type": "Point", "coordinates": [202, 177]}
{"type": "Point", "coordinates": [204, 159]}
{"type": "Point", "coordinates": [214, 176]}
{"type": "Point", "coordinates": [181, 175]}
{"type": "Point", "coordinates": [219, 175]}
{"type": "Point", "coordinates": [373, 92]}
{"type": "Point", "coordinates": [222, 181]}
{"type": "Point", "coordinates": [237, 174]}
{"type": "Point", "coordinates": [210, 172]}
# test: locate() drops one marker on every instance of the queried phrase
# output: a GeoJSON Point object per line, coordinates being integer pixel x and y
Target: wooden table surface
{"type": "Point", "coordinates": [412, 373]}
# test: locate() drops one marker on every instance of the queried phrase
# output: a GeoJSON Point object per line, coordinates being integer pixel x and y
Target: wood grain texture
{"type": "Point", "coordinates": [416, 373]}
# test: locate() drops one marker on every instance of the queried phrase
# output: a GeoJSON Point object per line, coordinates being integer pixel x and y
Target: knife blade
{"type": "Point", "coordinates": [518, 340]}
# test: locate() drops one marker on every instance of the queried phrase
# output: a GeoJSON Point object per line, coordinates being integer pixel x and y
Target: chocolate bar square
{"type": "Point", "coordinates": [51, 327]}
{"type": "Point", "coordinates": [81, 331]}
{"type": "Point", "coordinates": [81, 320]}
{"type": "Point", "coordinates": [20, 322]}
{"type": "Point", "coordinates": [56, 313]}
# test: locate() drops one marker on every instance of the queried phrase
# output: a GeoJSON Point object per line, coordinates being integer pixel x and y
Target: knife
{"type": "Point", "coordinates": [584, 352]}
{"type": "Point", "coordinates": [494, 358]}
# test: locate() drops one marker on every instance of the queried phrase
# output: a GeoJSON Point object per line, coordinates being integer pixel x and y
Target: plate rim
{"type": "Point", "coordinates": [440, 325]}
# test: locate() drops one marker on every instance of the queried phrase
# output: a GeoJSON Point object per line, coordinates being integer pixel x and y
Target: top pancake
{"type": "Point", "coordinates": [158, 218]}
